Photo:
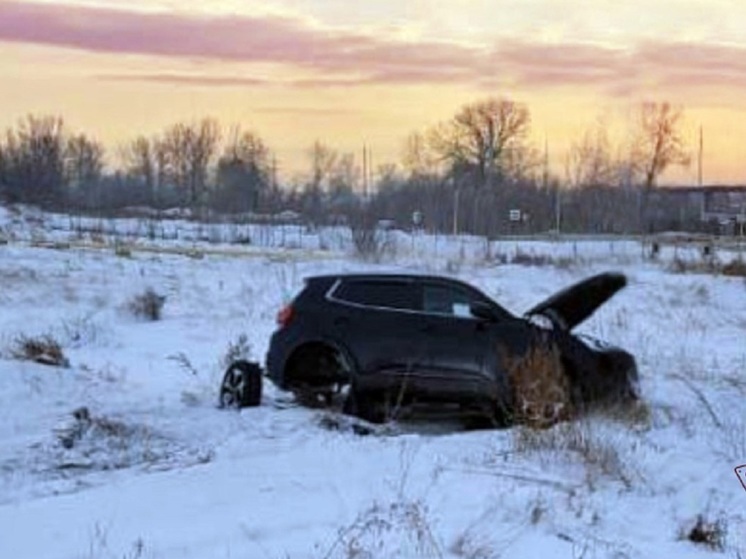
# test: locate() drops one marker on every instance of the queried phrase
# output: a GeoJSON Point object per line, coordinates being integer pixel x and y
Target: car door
{"type": "Point", "coordinates": [457, 341]}
{"type": "Point", "coordinates": [467, 356]}
{"type": "Point", "coordinates": [378, 320]}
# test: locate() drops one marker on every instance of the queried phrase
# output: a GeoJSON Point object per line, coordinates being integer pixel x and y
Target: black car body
{"type": "Point", "coordinates": [430, 338]}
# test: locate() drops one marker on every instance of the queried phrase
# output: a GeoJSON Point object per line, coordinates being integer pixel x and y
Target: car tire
{"type": "Point", "coordinates": [241, 386]}
{"type": "Point", "coordinates": [364, 405]}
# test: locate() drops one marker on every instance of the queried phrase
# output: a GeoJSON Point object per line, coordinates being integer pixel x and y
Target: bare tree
{"type": "Point", "coordinates": [138, 157]}
{"type": "Point", "coordinates": [33, 160]}
{"type": "Point", "coordinates": [84, 160]}
{"type": "Point", "coordinates": [659, 143]}
{"type": "Point", "coordinates": [345, 175]}
{"type": "Point", "coordinates": [84, 166]}
{"type": "Point", "coordinates": [485, 136]}
{"type": "Point", "coordinates": [417, 158]}
{"type": "Point", "coordinates": [589, 161]}
{"type": "Point", "coordinates": [188, 150]}
{"type": "Point", "coordinates": [4, 170]}
{"type": "Point", "coordinates": [243, 173]}
{"type": "Point", "coordinates": [323, 160]}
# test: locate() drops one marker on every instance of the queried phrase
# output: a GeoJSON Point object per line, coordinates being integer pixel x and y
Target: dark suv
{"type": "Point", "coordinates": [399, 339]}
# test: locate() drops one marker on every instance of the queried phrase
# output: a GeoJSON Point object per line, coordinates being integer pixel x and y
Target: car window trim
{"type": "Point", "coordinates": [330, 297]}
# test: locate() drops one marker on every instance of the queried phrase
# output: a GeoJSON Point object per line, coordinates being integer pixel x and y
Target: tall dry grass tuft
{"type": "Point", "coordinates": [541, 389]}
{"type": "Point", "coordinates": [44, 350]}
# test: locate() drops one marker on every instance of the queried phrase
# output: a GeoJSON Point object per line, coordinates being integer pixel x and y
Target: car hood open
{"type": "Point", "coordinates": [571, 306]}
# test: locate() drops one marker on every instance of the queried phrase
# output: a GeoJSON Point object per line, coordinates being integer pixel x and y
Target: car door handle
{"type": "Point", "coordinates": [428, 329]}
{"type": "Point", "coordinates": [341, 321]}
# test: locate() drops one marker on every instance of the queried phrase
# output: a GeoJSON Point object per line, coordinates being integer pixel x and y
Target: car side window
{"type": "Point", "coordinates": [397, 295]}
{"type": "Point", "coordinates": [449, 300]}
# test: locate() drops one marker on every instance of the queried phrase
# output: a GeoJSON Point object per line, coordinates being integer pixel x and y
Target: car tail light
{"type": "Point", "coordinates": [285, 316]}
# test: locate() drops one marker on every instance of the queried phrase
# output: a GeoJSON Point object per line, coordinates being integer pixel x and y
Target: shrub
{"type": "Point", "coordinates": [44, 349]}
{"type": "Point", "coordinates": [148, 305]}
{"type": "Point", "coordinates": [530, 259]}
{"type": "Point", "coordinates": [369, 240]}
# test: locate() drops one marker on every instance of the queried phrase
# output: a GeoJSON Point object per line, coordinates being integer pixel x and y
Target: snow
{"type": "Point", "coordinates": [161, 472]}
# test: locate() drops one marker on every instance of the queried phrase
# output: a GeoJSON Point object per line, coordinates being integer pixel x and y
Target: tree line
{"type": "Point", "coordinates": [463, 174]}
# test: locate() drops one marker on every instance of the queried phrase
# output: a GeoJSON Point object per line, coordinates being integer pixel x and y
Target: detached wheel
{"type": "Point", "coordinates": [241, 386]}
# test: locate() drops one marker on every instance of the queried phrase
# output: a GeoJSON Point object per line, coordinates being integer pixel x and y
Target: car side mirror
{"type": "Point", "coordinates": [482, 311]}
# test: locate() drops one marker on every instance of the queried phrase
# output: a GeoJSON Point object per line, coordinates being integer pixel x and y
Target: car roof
{"type": "Point", "coordinates": [387, 276]}
{"type": "Point", "coordinates": [382, 276]}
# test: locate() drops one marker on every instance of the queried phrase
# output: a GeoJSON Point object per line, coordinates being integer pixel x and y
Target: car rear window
{"type": "Point", "coordinates": [379, 293]}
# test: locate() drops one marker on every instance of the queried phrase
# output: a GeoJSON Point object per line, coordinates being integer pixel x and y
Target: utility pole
{"type": "Point", "coordinates": [370, 168]}
{"type": "Point", "coordinates": [365, 173]}
{"type": "Point", "coordinates": [557, 200]}
{"type": "Point", "coordinates": [546, 162]}
{"type": "Point", "coordinates": [274, 173]}
{"type": "Point", "coordinates": [456, 193]}
{"type": "Point", "coordinates": [699, 157]}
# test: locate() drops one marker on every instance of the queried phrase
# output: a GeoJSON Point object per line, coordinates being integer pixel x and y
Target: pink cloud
{"type": "Point", "coordinates": [345, 59]}
{"type": "Point", "coordinates": [244, 39]}
{"type": "Point", "coordinates": [187, 79]}
{"type": "Point", "coordinates": [622, 71]}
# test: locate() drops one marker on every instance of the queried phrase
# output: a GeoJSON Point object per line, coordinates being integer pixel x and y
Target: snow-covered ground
{"type": "Point", "coordinates": [160, 472]}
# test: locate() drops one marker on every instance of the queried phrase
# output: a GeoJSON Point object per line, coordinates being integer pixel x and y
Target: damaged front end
{"type": "Point", "coordinates": [599, 373]}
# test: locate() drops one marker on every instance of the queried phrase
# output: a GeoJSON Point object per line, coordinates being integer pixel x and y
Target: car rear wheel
{"type": "Point", "coordinates": [315, 373]}
{"type": "Point", "coordinates": [241, 386]}
{"type": "Point", "coordinates": [365, 405]}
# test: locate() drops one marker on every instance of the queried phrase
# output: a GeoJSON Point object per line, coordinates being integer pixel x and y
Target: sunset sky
{"type": "Point", "coordinates": [350, 73]}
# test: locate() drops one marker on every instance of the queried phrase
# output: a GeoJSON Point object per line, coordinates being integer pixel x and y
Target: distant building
{"type": "Point", "coordinates": [724, 203]}
{"type": "Point", "coordinates": [722, 207]}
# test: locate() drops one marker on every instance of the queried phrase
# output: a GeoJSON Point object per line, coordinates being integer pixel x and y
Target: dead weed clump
{"type": "Point", "coordinates": [43, 349]}
{"type": "Point", "coordinates": [523, 258]}
{"type": "Point", "coordinates": [399, 529]}
{"type": "Point", "coordinates": [541, 389]}
{"type": "Point", "coordinates": [147, 305]}
{"type": "Point", "coordinates": [240, 350]}
{"type": "Point", "coordinates": [735, 268]}
{"type": "Point", "coordinates": [89, 442]}
{"type": "Point", "coordinates": [84, 422]}
{"type": "Point", "coordinates": [711, 534]}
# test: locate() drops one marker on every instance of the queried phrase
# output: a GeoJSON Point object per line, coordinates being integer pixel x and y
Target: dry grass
{"type": "Point", "coordinates": [240, 350]}
{"type": "Point", "coordinates": [147, 305]}
{"type": "Point", "coordinates": [400, 529]}
{"type": "Point", "coordinates": [734, 268]}
{"type": "Point", "coordinates": [578, 440]}
{"type": "Point", "coordinates": [541, 389]}
{"type": "Point", "coordinates": [711, 534]}
{"type": "Point", "coordinates": [532, 259]}
{"type": "Point", "coordinates": [43, 349]}
{"type": "Point", "coordinates": [122, 250]}
{"type": "Point", "coordinates": [637, 416]}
